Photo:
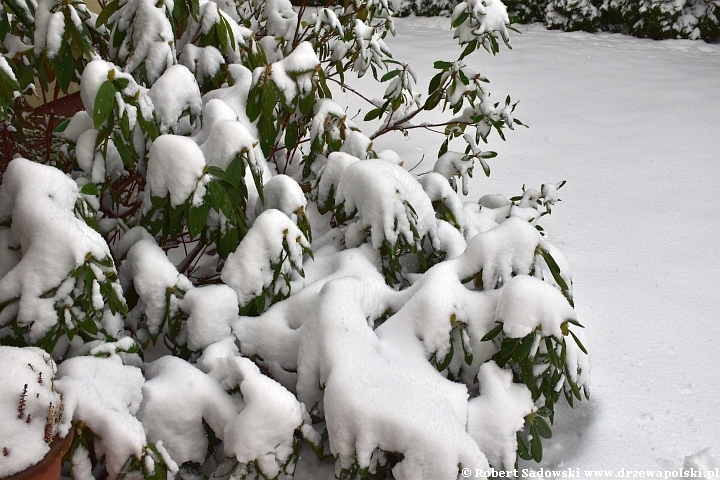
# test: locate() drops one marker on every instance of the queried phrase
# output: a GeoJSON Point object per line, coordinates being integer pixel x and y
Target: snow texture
{"type": "Point", "coordinates": [380, 191]}
{"type": "Point", "coordinates": [211, 311]}
{"type": "Point", "coordinates": [528, 302]}
{"type": "Point", "coordinates": [152, 274]}
{"type": "Point", "coordinates": [249, 269]}
{"type": "Point", "coordinates": [381, 394]}
{"type": "Point", "coordinates": [175, 91]}
{"type": "Point", "coordinates": [177, 397]}
{"type": "Point", "coordinates": [265, 427]}
{"type": "Point", "coordinates": [52, 241]}
{"type": "Point", "coordinates": [24, 403]}
{"type": "Point", "coordinates": [175, 166]}
{"type": "Point", "coordinates": [498, 414]}
{"type": "Point", "coordinates": [105, 395]}
{"type": "Point", "coordinates": [283, 193]}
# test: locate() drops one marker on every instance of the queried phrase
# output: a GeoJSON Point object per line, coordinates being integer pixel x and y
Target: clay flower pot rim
{"type": "Point", "coordinates": [58, 449]}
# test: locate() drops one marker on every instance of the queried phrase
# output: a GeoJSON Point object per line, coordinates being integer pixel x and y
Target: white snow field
{"type": "Point", "coordinates": [633, 125]}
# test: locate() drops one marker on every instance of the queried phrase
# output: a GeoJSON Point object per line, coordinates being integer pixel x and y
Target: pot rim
{"type": "Point", "coordinates": [58, 448]}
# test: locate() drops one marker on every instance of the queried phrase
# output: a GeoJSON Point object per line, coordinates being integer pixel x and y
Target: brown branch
{"type": "Point", "coordinates": [345, 87]}
{"type": "Point", "coordinates": [301, 12]}
{"type": "Point", "coordinates": [397, 124]}
{"type": "Point", "coordinates": [187, 261]}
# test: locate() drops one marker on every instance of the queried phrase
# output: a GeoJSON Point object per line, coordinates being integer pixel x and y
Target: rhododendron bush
{"type": "Point", "coordinates": [230, 276]}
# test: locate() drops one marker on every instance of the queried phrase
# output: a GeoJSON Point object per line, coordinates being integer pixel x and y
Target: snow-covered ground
{"type": "Point", "coordinates": [633, 125]}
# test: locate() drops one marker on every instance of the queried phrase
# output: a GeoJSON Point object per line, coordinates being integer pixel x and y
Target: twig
{"type": "Point", "coordinates": [345, 87]}
{"type": "Point", "coordinates": [183, 266]}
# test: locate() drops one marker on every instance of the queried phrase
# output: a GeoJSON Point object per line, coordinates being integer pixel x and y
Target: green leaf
{"type": "Point", "coordinates": [573, 387]}
{"type": "Point", "coordinates": [542, 427]}
{"type": "Point", "coordinates": [104, 102]}
{"type": "Point", "coordinates": [492, 333]}
{"type": "Point", "coordinates": [222, 36]}
{"type": "Point", "coordinates": [195, 9]}
{"type": "Point", "coordinates": [440, 65]}
{"type": "Point", "coordinates": [228, 242]}
{"type": "Point", "coordinates": [443, 149]}
{"type": "Point", "coordinates": [268, 132]}
{"type": "Point", "coordinates": [507, 347]}
{"type": "Point", "coordinates": [433, 100]}
{"type": "Point", "coordinates": [80, 42]}
{"type": "Point", "coordinates": [158, 202]}
{"type": "Point", "coordinates": [307, 103]}
{"type": "Point", "coordinates": [389, 75]}
{"type": "Point", "coordinates": [89, 189]}
{"type": "Point", "coordinates": [118, 37]}
{"type": "Point", "coordinates": [62, 126]}
{"type": "Point", "coordinates": [217, 172]}
{"type": "Point", "coordinates": [522, 449]}
{"type": "Point", "coordinates": [448, 358]}
{"type": "Point", "coordinates": [460, 20]}
{"type": "Point", "coordinates": [544, 411]}
{"type": "Point", "coordinates": [125, 125]}
{"type": "Point", "coordinates": [123, 151]}
{"type": "Point", "coordinates": [552, 356]}
{"type": "Point", "coordinates": [575, 322]}
{"type": "Point", "coordinates": [485, 167]}
{"type": "Point", "coordinates": [469, 49]}
{"type": "Point", "coordinates": [579, 343]}
{"type": "Point", "coordinates": [435, 83]}
{"type": "Point", "coordinates": [254, 104]}
{"type": "Point", "coordinates": [197, 216]}
{"type": "Point", "coordinates": [174, 323]}
{"type": "Point", "coordinates": [495, 49]}
{"type": "Point", "coordinates": [4, 26]}
{"type": "Point", "coordinates": [21, 12]}
{"type": "Point", "coordinates": [86, 323]}
{"type": "Point", "coordinates": [522, 351]}
{"type": "Point", "coordinates": [554, 269]}
{"type": "Point", "coordinates": [536, 444]}
{"type": "Point", "coordinates": [64, 65]}
{"type": "Point", "coordinates": [260, 302]}
{"type": "Point", "coordinates": [291, 135]}
{"type": "Point", "coordinates": [228, 30]}
{"type": "Point", "coordinates": [104, 16]}
{"type": "Point", "coordinates": [269, 100]}
{"type": "Point", "coordinates": [50, 339]}
{"type": "Point", "coordinates": [373, 114]}
{"type": "Point", "coordinates": [235, 171]}
{"type": "Point", "coordinates": [221, 199]}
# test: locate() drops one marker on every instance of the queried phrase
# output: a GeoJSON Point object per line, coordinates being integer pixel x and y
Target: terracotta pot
{"type": "Point", "coordinates": [49, 467]}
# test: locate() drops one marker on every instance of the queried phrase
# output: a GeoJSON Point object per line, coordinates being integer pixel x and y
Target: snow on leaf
{"type": "Point", "coordinates": [379, 191]}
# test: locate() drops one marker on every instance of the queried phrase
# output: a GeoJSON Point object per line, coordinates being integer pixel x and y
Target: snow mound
{"type": "Point", "coordinates": [40, 201]}
{"type": "Point", "coordinates": [387, 199]}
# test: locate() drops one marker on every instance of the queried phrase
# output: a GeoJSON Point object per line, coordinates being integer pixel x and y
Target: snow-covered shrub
{"type": "Point", "coordinates": [59, 285]}
{"type": "Point", "coordinates": [230, 274]}
{"type": "Point", "coordinates": [44, 42]}
{"type": "Point", "coordinates": [424, 8]}
{"type": "Point", "coordinates": [571, 15]}
{"type": "Point", "coordinates": [708, 19]}
{"type": "Point", "coordinates": [658, 19]}
{"type": "Point", "coordinates": [617, 16]}
{"type": "Point", "coordinates": [527, 11]}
